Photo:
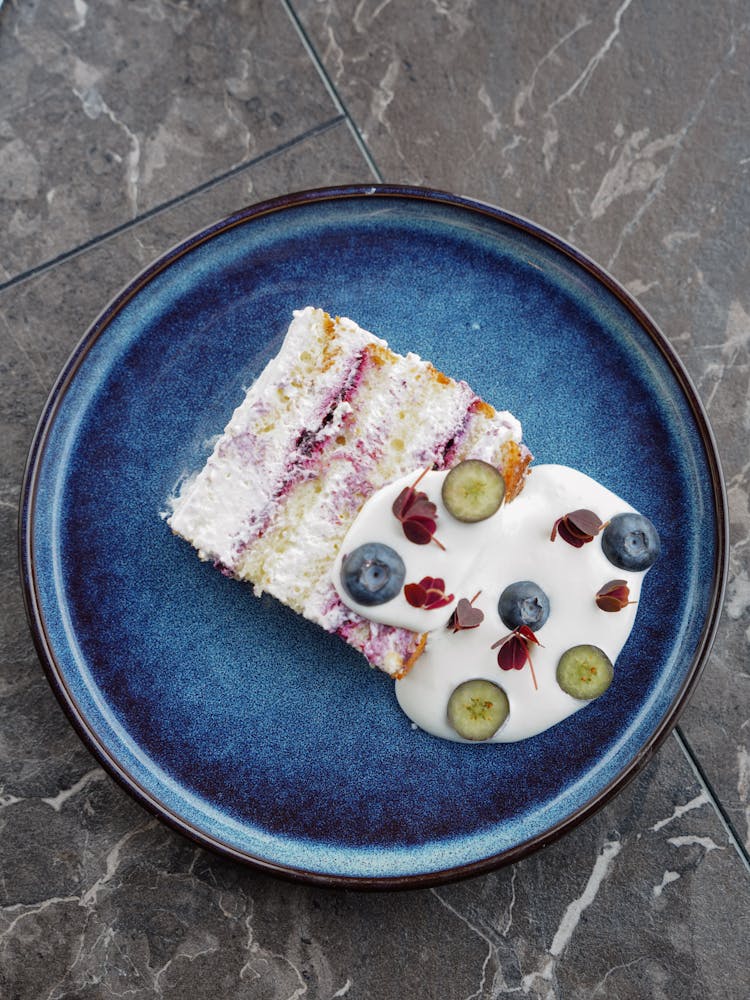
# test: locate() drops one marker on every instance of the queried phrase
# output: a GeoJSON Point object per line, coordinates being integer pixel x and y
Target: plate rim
{"type": "Point", "coordinates": [44, 646]}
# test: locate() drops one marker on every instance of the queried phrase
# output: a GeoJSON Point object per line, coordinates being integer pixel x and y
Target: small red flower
{"type": "Point", "coordinates": [417, 514]}
{"type": "Point", "coordinates": [466, 616]}
{"type": "Point", "coordinates": [614, 596]}
{"type": "Point", "coordinates": [577, 527]}
{"type": "Point", "coordinates": [515, 650]}
{"type": "Point", "coordinates": [429, 593]}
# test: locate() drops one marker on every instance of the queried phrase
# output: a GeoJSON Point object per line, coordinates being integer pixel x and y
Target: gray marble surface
{"type": "Point", "coordinates": [622, 126]}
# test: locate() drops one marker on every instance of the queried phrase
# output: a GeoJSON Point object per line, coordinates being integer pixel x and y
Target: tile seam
{"type": "Point", "coordinates": [333, 91]}
{"type": "Point", "coordinates": [37, 269]}
{"type": "Point", "coordinates": [702, 778]}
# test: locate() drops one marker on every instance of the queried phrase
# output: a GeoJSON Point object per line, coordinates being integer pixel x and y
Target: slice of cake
{"type": "Point", "coordinates": [333, 418]}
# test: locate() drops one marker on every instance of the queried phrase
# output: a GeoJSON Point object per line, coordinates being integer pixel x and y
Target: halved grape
{"type": "Point", "coordinates": [584, 672]}
{"type": "Point", "coordinates": [477, 709]}
{"type": "Point", "coordinates": [372, 574]}
{"type": "Point", "coordinates": [473, 490]}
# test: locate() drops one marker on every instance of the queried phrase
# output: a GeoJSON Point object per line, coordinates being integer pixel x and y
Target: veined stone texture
{"type": "Point", "coordinates": [622, 126]}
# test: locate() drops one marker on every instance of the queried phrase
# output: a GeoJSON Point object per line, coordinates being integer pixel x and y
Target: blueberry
{"type": "Point", "coordinates": [630, 541]}
{"type": "Point", "coordinates": [523, 603]}
{"type": "Point", "coordinates": [372, 574]}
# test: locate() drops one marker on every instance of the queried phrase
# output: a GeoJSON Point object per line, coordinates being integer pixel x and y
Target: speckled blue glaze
{"type": "Point", "coordinates": [242, 724]}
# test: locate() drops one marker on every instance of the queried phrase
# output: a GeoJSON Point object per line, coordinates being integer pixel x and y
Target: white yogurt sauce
{"type": "Point", "coordinates": [512, 545]}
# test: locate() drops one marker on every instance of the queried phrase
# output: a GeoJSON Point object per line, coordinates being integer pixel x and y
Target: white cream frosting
{"type": "Point", "coordinates": [513, 545]}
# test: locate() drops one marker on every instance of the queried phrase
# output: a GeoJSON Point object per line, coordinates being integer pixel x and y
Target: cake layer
{"type": "Point", "coordinates": [333, 418]}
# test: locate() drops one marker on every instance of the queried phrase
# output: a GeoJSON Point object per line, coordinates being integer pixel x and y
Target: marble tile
{"type": "Point", "coordinates": [576, 114]}
{"type": "Point", "coordinates": [570, 113]}
{"type": "Point", "coordinates": [586, 119]}
{"type": "Point", "coordinates": [632, 904]}
{"type": "Point", "coordinates": [109, 109]}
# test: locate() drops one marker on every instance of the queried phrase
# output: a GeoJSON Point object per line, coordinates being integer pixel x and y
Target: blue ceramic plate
{"type": "Point", "coordinates": [242, 725]}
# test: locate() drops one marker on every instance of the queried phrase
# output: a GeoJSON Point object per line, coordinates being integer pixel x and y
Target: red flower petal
{"type": "Point", "coordinates": [570, 538]}
{"type": "Point", "coordinates": [421, 507]}
{"type": "Point", "coordinates": [512, 654]}
{"type": "Point", "coordinates": [585, 522]}
{"type": "Point", "coordinates": [402, 501]}
{"type": "Point", "coordinates": [419, 531]}
{"type": "Point", "coordinates": [606, 603]}
{"type": "Point", "coordinates": [577, 527]}
{"type": "Point", "coordinates": [614, 596]}
{"type": "Point", "coordinates": [415, 594]}
{"type": "Point", "coordinates": [575, 532]}
{"type": "Point", "coordinates": [417, 514]}
{"type": "Point", "coordinates": [437, 599]}
{"type": "Point", "coordinates": [429, 593]}
{"type": "Point", "coordinates": [526, 633]}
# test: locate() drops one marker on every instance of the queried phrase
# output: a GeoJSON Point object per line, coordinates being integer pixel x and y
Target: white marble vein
{"type": "Point", "coordinates": [677, 144]}
{"type": "Point", "coordinates": [636, 169]}
{"type": "Point", "coordinates": [493, 127]}
{"type": "Point", "coordinates": [734, 344]}
{"type": "Point", "coordinates": [525, 94]}
{"type": "Point", "coordinates": [509, 915]}
{"type": "Point", "coordinates": [112, 863]}
{"type": "Point", "coordinates": [571, 919]}
{"type": "Point", "coordinates": [478, 925]}
{"type": "Point", "coordinates": [6, 799]}
{"type": "Point", "coordinates": [691, 840]}
{"type": "Point", "coordinates": [738, 596]}
{"type": "Point", "coordinates": [700, 800]}
{"type": "Point", "coordinates": [187, 951]}
{"type": "Point", "coordinates": [259, 960]}
{"type": "Point", "coordinates": [56, 802]}
{"type": "Point", "coordinates": [667, 878]}
{"type": "Point", "coordinates": [333, 55]}
{"type": "Point", "coordinates": [602, 990]}
{"type": "Point", "coordinates": [743, 787]}
{"type": "Point", "coordinates": [456, 12]}
{"type": "Point", "coordinates": [572, 915]}
{"type": "Point", "coordinates": [384, 92]}
{"type": "Point", "coordinates": [678, 236]}
{"type": "Point", "coordinates": [583, 79]}
{"type": "Point", "coordinates": [81, 9]}
{"type": "Point", "coordinates": [363, 18]}
{"type": "Point", "coordinates": [30, 911]}
{"type": "Point", "coordinates": [94, 105]}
